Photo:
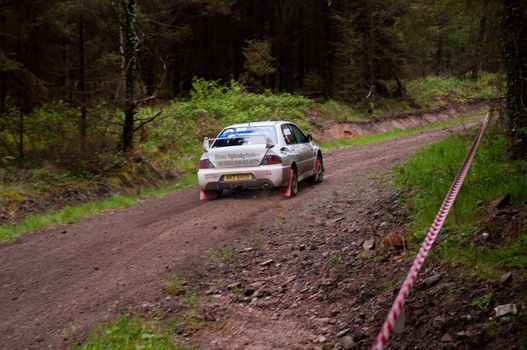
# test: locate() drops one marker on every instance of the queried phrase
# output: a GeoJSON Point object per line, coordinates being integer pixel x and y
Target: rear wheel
{"type": "Point", "coordinates": [319, 170]}
{"type": "Point", "coordinates": [294, 183]}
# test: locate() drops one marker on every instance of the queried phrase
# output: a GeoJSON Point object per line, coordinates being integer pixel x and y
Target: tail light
{"type": "Point", "coordinates": [271, 159]}
{"type": "Point", "coordinates": [205, 164]}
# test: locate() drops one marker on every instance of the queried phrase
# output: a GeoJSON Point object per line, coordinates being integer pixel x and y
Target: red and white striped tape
{"type": "Point", "coordinates": [431, 236]}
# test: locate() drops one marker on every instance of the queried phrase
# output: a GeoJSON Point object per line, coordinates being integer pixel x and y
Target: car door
{"type": "Point", "coordinates": [306, 162]}
{"type": "Point", "coordinates": [294, 146]}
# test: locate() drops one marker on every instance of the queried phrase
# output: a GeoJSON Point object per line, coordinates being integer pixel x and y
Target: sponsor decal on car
{"type": "Point", "coordinates": [240, 132]}
{"type": "Point", "coordinates": [228, 163]}
{"type": "Point", "coordinates": [232, 159]}
{"type": "Point", "coordinates": [232, 156]}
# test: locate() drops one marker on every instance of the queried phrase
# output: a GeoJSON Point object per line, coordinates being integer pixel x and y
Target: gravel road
{"type": "Point", "coordinates": [58, 282]}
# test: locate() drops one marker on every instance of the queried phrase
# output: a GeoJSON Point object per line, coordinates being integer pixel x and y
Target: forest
{"type": "Point", "coordinates": [107, 242]}
{"type": "Point", "coordinates": [97, 88]}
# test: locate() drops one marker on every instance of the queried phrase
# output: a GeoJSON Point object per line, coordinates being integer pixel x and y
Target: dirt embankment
{"type": "Point", "coordinates": [347, 130]}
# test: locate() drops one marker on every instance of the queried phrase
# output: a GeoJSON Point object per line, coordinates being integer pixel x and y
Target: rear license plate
{"type": "Point", "coordinates": [237, 177]}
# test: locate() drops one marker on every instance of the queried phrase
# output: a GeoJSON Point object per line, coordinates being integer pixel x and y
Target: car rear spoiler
{"type": "Point", "coordinates": [206, 143]}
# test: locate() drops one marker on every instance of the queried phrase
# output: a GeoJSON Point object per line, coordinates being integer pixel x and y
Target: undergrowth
{"type": "Point", "coordinates": [175, 140]}
{"type": "Point", "coordinates": [430, 89]}
{"type": "Point", "coordinates": [338, 111]}
{"type": "Point", "coordinates": [130, 333]}
{"type": "Point", "coordinates": [426, 180]}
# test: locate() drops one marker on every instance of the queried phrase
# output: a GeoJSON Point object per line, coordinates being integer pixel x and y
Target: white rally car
{"type": "Point", "coordinates": [259, 155]}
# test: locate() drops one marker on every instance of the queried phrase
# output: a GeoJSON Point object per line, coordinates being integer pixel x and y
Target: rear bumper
{"type": "Point", "coordinates": [261, 177]}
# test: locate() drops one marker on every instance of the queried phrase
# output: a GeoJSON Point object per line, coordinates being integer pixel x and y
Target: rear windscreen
{"type": "Point", "coordinates": [246, 135]}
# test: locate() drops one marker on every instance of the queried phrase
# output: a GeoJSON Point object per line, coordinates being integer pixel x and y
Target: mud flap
{"type": "Point", "coordinates": [207, 195]}
{"type": "Point", "coordinates": [287, 191]}
{"type": "Point", "coordinates": [317, 165]}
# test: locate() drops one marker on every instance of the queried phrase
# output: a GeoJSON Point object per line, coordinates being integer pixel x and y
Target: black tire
{"type": "Point", "coordinates": [294, 184]}
{"type": "Point", "coordinates": [319, 177]}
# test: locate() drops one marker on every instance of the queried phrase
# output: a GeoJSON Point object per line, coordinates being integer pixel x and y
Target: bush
{"type": "Point", "coordinates": [175, 140]}
{"type": "Point", "coordinates": [425, 91]}
{"type": "Point", "coordinates": [130, 334]}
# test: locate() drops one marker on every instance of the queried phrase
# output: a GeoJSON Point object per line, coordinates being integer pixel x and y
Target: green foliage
{"type": "Point", "coordinates": [448, 36]}
{"type": "Point", "coordinates": [179, 133]}
{"type": "Point", "coordinates": [174, 285]}
{"type": "Point", "coordinates": [51, 135]}
{"type": "Point", "coordinates": [334, 261]}
{"type": "Point", "coordinates": [482, 302]}
{"type": "Point", "coordinates": [388, 287]}
{"type": "Point", "coordinates": [193, 320]}
{"type": "Point", "coordinates": [368, 48]}
{"type": "Point", "coordinates": [341, 112]}
{"type": "Point", "coordinates": [130, 333]}
{"type": "Point", "coordinates": [228, 253]}
{"type": "Point", "coordinates": [427, 179]}
{"type": "Point", "coordinates": [425, 91]}
{"type": "Point", "coordinates": [258, 58]}
{"type": "Point", "coordinates": [486, 261]}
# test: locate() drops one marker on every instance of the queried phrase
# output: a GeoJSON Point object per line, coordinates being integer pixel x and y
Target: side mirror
{"type": "Point", "coordinates": [309, 137]}
{"type": "Point", "coordinates": [269, 143]}
{"type": "Point", "coordinates": [206, 145]}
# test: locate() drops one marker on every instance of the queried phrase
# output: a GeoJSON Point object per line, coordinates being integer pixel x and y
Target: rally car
{"type": "Point", "coordinates": [261, 155]}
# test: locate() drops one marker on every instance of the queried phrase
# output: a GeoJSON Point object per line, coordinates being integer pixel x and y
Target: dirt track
{"type": "Point", "coordinates": [60, 281]}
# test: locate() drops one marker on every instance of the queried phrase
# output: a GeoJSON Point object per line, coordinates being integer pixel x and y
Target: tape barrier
{"type": "Point", "coordinates": [402, 296]}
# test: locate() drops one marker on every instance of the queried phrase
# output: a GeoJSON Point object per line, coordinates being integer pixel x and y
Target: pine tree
{"type": "Point", "coordinates": [514, 22]}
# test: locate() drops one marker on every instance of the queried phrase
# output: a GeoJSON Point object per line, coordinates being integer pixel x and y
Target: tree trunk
{"type": "Point", "coordinates": [65, 71]}
{"type": "Point", "coordinates": [514, 29]}
{"type": "Point", "coordinates": [3, 91]}
{"type": "Point", "coordinates": [130, 63]}
{"type": "Point", "coordinates": [476, 67]}
{"type": "Point", "coordinates": [329, 55]}
{"type": "Point", "coordinates": [401, 91]}
{"type": "Point", "coordinates": [439, 54]}
{"type": "Point", "coordinates": [3, 75]}
{"type": "Point", "coordinates": [371, 62]}
{"type": "Point", "coordinates": [21, 139]}
{"type": "Point", "coordinates": [82, 78]}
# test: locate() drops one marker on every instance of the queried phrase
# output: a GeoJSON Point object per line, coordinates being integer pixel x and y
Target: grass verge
{"type": "Point", "coordinates": [71, 214]}
{"type": "Point", "coordinates": [426, 180]}
{"type": "Point", "coordinates": [130, 333]}
{"type": "Point", "coordinates": [366, 139]}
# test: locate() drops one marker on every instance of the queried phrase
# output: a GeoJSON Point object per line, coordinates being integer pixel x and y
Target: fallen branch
{"type": "Point", "coordinates": [148, 120]}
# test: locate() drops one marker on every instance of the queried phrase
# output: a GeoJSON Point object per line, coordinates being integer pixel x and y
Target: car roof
{"type": "Point", "coordinates": [260, 123]}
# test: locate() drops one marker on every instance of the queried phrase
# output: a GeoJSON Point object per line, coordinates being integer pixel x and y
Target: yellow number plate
{"type": "Point", "coordinates": [237, 177]}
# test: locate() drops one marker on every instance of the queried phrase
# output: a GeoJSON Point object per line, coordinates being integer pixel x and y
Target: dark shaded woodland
{"type": "Point", "coordinates": [127, 54]}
